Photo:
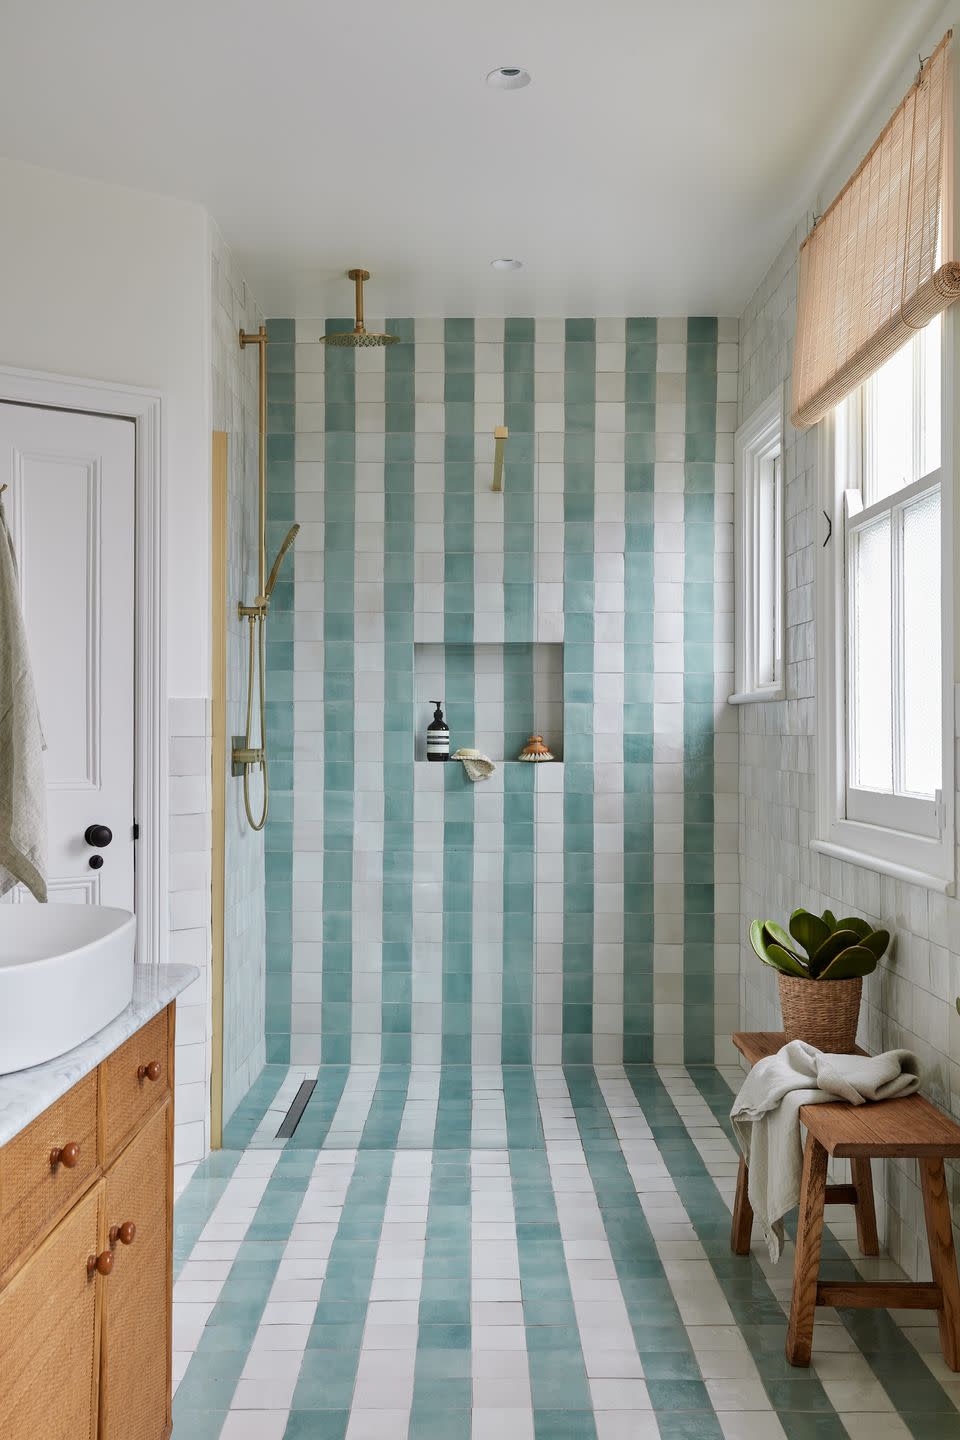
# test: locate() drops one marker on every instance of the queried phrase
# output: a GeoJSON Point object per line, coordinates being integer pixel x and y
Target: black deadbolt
{"type": "Point", "coordinates": [95, 862]}
{"type": "Point", "coordinates": [98, 836]}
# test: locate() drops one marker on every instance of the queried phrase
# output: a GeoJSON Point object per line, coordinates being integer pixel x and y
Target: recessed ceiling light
{"type": "Point", "coordinates": [508, 77]}
{"type": "Point", "coordinates": [506, 264]}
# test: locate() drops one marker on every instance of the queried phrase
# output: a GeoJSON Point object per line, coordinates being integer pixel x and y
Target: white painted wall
{"type": "Point", "coordinates": [112, 284]}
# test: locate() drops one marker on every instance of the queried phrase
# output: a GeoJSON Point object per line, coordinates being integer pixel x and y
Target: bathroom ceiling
{"type": "Point", "coordinates": [654, 165]}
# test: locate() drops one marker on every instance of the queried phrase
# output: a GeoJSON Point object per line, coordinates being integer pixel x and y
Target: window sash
{"type": "Point", "coordinates": [899, 809]}
{"type": "Point", "coordinates": [759, 571]}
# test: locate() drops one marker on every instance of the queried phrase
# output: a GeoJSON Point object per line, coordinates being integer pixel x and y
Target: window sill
{"type": "Point", "coordinates": [752, 697]}
{"type": "Point", "coordinates": [882, 866]}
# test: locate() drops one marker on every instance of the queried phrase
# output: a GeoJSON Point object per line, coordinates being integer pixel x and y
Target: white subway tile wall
{"type": "Point", "coordinates": [235, 411]}
{"type": "Point", "coordinates": [189, 933]}
{"type": "Point", "coordinates": [909, 1001]}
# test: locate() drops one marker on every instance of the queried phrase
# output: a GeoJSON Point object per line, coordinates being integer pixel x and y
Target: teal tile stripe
{"type": "Point", "coordinates": [914, 1390]}
{"type": "Point", "coordinates": [639, 458]}
{"type": "Point", "coordinates": [580, 386]}
{"type": "Point", "coordinates": [677, 1393]}
{"type": "Point", "coordinates": [443, 1386]}
{"type": "Point", "coordinates": [560, 1390]}
{"type": "Point", "coordinates": [338, 698]}
{"type": "Point", "coordinates": [520, 721]}
{"type": "Point", "coordinates": [453, 1127]}
{"type": "Point", "coordinates": [328, 1373]}
{"type": "Point", "coordinates": [382, 1125]}
{"type": "Point", "coordinates": [278, 833]}
{"type": "Point", "coordinates": [460, 685]}
{"type": "Point", "coordinates": [699, 485]}
{"type": "Point", "coordinates": [206, 1390]}
{"type": "Point", "coordinates": [399, 709]}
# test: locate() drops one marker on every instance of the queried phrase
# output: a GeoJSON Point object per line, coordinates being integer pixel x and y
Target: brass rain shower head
{"type": "Point", "coordinates": [359, 335]}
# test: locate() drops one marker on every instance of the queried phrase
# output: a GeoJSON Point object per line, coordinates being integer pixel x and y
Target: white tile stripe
{"type": "Point", "coordinates": [502, 1399]}
{"type": "Point", "coordinates": [419, 1119]}
{"type": "Point", "coordinates": [488, 1112]}
{"type": "Point", "coordinates": [352, 1110]}
{"type": "Point", "coordinates": [386, 1385]}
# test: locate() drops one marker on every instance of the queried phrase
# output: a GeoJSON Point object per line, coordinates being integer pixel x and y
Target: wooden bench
{"type": "Point", "coordinates": [910, 1128]}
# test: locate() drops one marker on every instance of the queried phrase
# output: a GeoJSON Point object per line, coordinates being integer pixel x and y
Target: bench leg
{"type": "Point", "coordinates": [866, 1213]}
{"type": "Point", "coordinates": [742, 1214]}
{"type": "Point", "coordinates": [806, 1266]}
{"type": "Point", "coordinates": [943, 1261]}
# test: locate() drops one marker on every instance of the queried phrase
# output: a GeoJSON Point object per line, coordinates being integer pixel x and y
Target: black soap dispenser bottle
{"type": "Point", "coordinates": [438, 735]}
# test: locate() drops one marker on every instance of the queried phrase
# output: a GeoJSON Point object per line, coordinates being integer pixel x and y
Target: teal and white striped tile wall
{"type": "Point", "coordinates": [582, 911]}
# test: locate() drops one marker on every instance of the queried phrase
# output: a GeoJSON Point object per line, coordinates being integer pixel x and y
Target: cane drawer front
{"type": "Point", "coordinates": [135, 1335]}
{"type": "Point", "coordinates": [44, 1169]}
{"type": "Point", "coordinates": [49, 1368]}
{"type": "Point", "coordinates": [135, 1080]}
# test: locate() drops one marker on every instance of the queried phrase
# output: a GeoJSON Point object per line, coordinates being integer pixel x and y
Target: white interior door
{"type": "Point", "coordinates": [70, 509]}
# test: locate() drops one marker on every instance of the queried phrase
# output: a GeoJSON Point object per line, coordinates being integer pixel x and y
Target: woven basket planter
{"type": "Point", "coordinates": [824, 1013]}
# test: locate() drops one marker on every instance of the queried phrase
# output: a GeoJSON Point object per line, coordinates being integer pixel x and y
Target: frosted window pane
{"type": "Point", "coordinates": [891, 411]}
{"type": "Point", "coordinates": [870, 678]}
{"type": "Point", "coordinates": [921, 646]}
{"type": "Point", "coordinates": [930, 438]}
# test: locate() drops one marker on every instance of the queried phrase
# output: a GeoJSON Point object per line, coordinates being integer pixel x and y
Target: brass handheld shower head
{"type": "Point", "coordinates": [359, 335]}
{"type": "Point", "coordinates": [289, 538]}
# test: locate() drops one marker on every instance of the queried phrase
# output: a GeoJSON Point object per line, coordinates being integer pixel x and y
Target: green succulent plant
{"type": "Point", "coordinates": [820, 947]}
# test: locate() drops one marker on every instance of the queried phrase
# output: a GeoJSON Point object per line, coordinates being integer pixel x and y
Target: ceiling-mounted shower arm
{"type": "Point", "coordinates": [358, 277]}
{"type": "Point", "coordinates": [359, 337]}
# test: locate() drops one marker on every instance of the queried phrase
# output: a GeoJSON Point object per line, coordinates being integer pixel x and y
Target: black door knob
{"type": "Point", "coordinates": [95, 862]}
{"type": "Point", "coordinates": [98, 835]}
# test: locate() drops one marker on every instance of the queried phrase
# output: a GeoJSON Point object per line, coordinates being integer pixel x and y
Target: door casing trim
{"type": "Point", "coordinates": [145, 409]}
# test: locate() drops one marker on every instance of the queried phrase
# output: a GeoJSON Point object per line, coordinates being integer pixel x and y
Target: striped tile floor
{"type": "Point", "coordinates": [516, 1254]}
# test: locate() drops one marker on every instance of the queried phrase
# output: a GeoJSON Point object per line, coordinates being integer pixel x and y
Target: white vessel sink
{"type": "Point", "coordinates": [65, 972]}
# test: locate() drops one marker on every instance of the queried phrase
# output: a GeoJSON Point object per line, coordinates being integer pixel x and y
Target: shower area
{"type": "Point", "coordinates": [391, 912]}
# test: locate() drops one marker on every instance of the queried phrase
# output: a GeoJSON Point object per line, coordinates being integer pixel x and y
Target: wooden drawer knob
{"type": "Point", "coordinates": [102, 1263]}
{"type": "Point", "coordinates": [66, 1155]}
{"type": "Point", "coordinates": [152, 1071]}
{"type": "Point", "coordinates": [125, 1233]}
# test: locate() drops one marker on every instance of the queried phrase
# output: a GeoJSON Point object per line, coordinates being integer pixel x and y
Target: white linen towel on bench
{"type": "Point", "coordinates": [766, 1116]}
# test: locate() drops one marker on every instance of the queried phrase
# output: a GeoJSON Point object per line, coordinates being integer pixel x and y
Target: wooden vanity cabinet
{"type": "Point", "coordinates": [86, 1299]}
{"type": "Point", "coordinates": [137, 1300]}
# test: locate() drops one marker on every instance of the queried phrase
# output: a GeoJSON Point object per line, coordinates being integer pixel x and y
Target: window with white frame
{"type": "Point", "coordinates": [883, 705]}
{"type": "Point", "coordinates": [758, 524]}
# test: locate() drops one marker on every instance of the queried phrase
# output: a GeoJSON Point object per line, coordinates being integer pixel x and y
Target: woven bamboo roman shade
{"type": "Point", "coordinates": [868, 269]}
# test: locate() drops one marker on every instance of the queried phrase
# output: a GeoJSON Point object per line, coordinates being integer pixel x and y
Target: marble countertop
{"type": "Point", "coordinates": [27, 1093]}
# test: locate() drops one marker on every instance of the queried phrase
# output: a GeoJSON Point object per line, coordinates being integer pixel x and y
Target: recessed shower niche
{"type": "Point", "coordinates": [494, 696]}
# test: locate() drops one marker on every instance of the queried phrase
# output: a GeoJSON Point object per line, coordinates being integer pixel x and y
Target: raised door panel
{"type": "Point", "coordinates": [48, 1334]}
{"type": "Point", "coordinates": [135, 1394]}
